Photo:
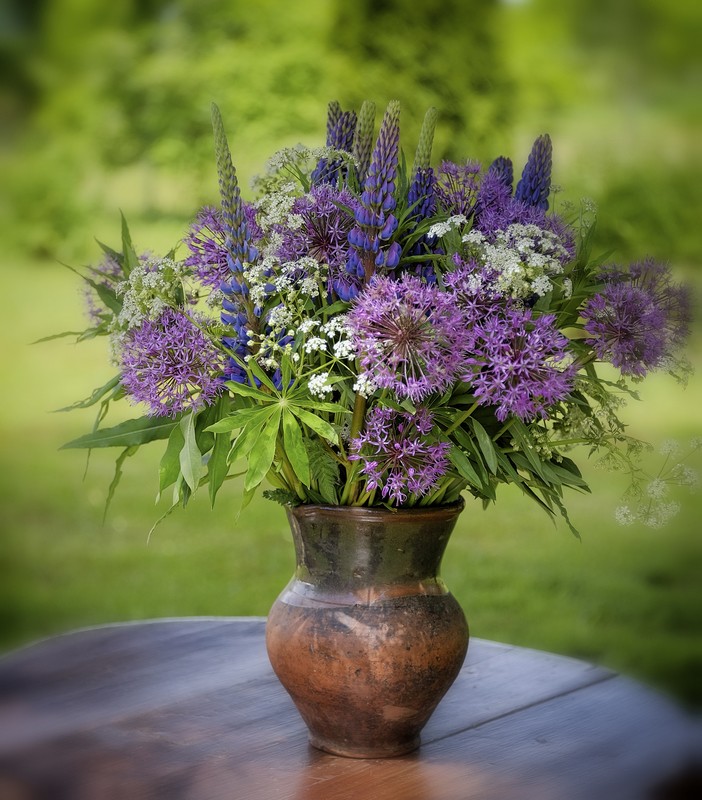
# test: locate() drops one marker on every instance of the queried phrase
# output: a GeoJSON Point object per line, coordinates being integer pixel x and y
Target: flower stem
{"type": "Point", "coordinates": [461, 419]}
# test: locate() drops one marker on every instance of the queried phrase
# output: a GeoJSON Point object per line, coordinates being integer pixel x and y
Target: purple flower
{"type": "Point", "coordinates": [398, 457]}
{"type": "Point", "coordinates": [518, 363]}
{"type": "Point", "coordinates": [206, 241]}
{"type": "Point", "coordinates": [375, 222]}
{"type": "Point", "coordinates": [324, 230]}
{"type": "Point", "coordinates": [170, 365]}
{"type": "Point", "coordinates": [422, 195]}
{"type": "Point", "coordinates": [341, 126]}
{"type": "Point", "coordinates": [408, 336]}
{"type": "Point", "coordinates": [502, 168]}
{"type": "Point", "coordinates": [535, 184]}
{"type": "Point", "coordinates": [639, 319]}
{"type": "Point", "coordinates": [457, 186]}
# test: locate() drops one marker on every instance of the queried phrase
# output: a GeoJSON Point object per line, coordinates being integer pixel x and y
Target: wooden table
{"type": "Point", "coordinates": [190, 708]}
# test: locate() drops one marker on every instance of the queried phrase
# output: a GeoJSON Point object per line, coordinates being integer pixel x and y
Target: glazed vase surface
{"type": "Point", "coordinates": [366, 637]}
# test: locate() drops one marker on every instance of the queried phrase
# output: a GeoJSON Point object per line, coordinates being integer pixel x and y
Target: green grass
{"type": "Point", "coordinates": [627, 598]}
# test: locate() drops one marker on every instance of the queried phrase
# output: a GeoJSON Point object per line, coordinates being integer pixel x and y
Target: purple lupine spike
{"type": "Point", "coordinates": [502, 168]}
{"type": "Point", "coordinates": [375, 222]}
{"type": "Point", "coordinates": [535, 184]}
{"type": "Point", "coordinates": [340, 137]}
{"type": "Point", "coordinates": [421, 199]}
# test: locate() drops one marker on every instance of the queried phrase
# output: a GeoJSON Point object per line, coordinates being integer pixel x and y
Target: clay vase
{"type": "Point", "coordinates": [366, 638]}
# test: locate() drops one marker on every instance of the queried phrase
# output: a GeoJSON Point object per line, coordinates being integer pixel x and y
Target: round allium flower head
{"type": "Point", "coordinates": [170, 365]}
{"type": "Point", "coordinates": [326, 223]}
{"type": "Point", "coordinates": [397, 454]}
{"type": "Point", "coordinates": [519, 364]}
{"type": "Point", "coordinates": [639, 319]}
{"type": "Point", "coordinates": [408, 336]}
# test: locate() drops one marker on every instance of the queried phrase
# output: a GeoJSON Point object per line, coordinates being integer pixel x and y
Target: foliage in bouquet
{"type": "Point", "coordinates": [368, 333]}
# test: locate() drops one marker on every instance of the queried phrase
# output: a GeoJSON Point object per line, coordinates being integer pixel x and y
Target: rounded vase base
{"type": "Point", "coordinates": [359, 751]}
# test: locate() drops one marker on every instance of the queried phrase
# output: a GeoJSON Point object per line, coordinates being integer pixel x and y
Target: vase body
{"type": "Point", "coordinates": [366, 638]}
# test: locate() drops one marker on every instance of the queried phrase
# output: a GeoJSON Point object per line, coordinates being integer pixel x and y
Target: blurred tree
{"type": "Point", "coordinates": [438, 53]}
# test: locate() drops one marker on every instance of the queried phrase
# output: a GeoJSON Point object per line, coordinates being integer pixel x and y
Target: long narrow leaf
{"type": "Point", "coordinates": [318, 425]}
{"type": "Point", "coordinates": [126, 434]}
{"type": "Point", "coordinates": [487, 448]}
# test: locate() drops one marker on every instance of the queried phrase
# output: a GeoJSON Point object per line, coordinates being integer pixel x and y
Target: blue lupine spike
{"type": "Point", "coordinates": [340, 137]}
{"type": "Point", "coordinates": [535, 184]}
{"type": "Point", "coordinates": [503, 169]}
{"type": "Point", "coordinates": [374, 218]}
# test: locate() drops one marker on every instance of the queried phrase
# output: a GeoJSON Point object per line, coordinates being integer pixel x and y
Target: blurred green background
{"type": "Point", "coordinates": [106, 107]}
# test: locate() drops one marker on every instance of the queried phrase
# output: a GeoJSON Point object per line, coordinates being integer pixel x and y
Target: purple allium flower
{"type": "Point", "coordinates": [457, 186]}
{"type": "Point", "coordinates": [639, 318]}
{"type": "Point", "coordinates": [341, 126]}
{"type": "Point", "coordinates": [375, 222]}
{"type": "Point", "coordinates": [325, 227]}
{"type": "Point", "coordinates": [170, 365]}
{"type": "Point", "coordinates": [518, 363]}
{"type": "Point", "coordinates": [472, 289]}
{"type": "Point", "coordinates": [398, 457]}
{"type": "Point", "coordinates": [206, 241]}
{"type": "Point", "coordinates": [408, 336]}
{"type": "Point", "coordinates": [535, 184]}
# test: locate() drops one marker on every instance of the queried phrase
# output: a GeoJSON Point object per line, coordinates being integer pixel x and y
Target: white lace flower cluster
{"type": "Point", "coordinates": [153, 286]}
{"type": "Point", "coordinates": [524, 257]}
{"type": "Point", "coordinates": [654, 506]}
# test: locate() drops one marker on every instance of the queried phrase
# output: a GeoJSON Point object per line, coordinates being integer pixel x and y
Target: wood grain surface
{"type": "Point", "coordinates": [190, 708]}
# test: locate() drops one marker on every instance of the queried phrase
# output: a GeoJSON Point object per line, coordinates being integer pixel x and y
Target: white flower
{"type": "Point", "coordinates": [657, 489]}
{"type": "Point", "coordinates": [364, 385]}
{"type": "Point", "coordinates": [442, 228]}
{"type": "Point", "coordinates": [314, 344]}
{"type": "Point", "coordinates": [318, 385]}
{"type": "Point", "coordinates": [624, 515]}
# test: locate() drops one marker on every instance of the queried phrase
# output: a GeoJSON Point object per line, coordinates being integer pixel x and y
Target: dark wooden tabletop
{"type": "Point", "coordinates": [190, 708]}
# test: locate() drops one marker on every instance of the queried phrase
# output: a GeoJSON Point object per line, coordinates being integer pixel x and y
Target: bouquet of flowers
{"type": "Point", "coordinates": [370, 334]}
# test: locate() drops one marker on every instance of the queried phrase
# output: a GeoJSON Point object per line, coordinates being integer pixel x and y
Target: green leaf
{"type": "Point", "coordinates": [332, 408]}
{"type": "Point", "coordinates": [218, 463]}
{"type": "Point", "coordinates": [126, 434]}
{"type": "Point", "coordinates": [263, 452]}
{"type": "Point", "coordinates": [108, 296]}
{"type": "Point", "coordinates": [487, 448]}
{"type": "Point", "coordinates": [294, 446]}
{"type": "Point", "coordinates": [258, 372]}
{"type": "Point", "coordinates": [318, 425]}
{"type": "Point", "coordinates": [131, 259]}
{"type": "Point", "coordinates": [241, 418]}
{"type": "Point", "coordinates": [95, 396]}
{"type": "Point", "coordinates": [245, 390]}
{"type": "Point", "coordinates": [57, 336]}
{"type": "Point", "coordinates": [169, 468]}
{"type": "Point", "coordinates": [128, 451]}
{"type": "Point", "coordinates": [191, 465]}
{"type": "Point", "coordinates": [465, 469]}
{"type": "Point", "coordinates": [247, 438]}
{"type": "Point", "coordinates": [324, 469]}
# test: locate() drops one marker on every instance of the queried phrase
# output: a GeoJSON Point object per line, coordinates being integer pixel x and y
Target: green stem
{"type": "Point", "coordinates": [461, 419]}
